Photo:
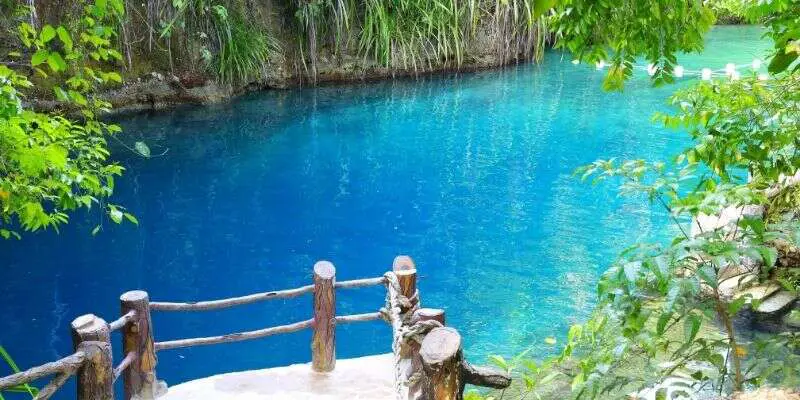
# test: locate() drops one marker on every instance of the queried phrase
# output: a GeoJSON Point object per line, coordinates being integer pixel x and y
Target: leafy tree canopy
{"type": "Point", "coordinates": [53, 163]}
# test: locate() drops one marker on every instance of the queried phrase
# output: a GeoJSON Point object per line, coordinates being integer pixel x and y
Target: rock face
{"type": "Point", "coordinates": [768, 394]}
{"type": "Point", "coordinates": [157, 91]}
{"type": "Point", "coordinates": [725, 220]}
{"type": "Point", "coordinates": [741, 279]}
{"type": "Point", "coordinates": [777, 302]}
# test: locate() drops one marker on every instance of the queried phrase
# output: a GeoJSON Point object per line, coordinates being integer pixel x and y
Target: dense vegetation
{"type": "Point", "coordinates": [242, 41]}
{"type": "Point", "coordinates": [654, 300]}
{"type": "Point", "coordinates": [659, 305]}
{"type": "Point", "coordinates": [51, 164]}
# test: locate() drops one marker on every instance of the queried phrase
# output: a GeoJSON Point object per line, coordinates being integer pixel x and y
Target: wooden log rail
{"type": "Point", "coordinates": [63, 369]}
{"type": "Point", "coordinates": [92, 362]}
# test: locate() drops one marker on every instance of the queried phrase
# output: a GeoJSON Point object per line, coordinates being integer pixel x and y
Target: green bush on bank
{"type": "Point", "coordinates": [745, 138]}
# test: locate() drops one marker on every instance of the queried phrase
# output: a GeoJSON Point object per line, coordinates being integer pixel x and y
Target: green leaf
{"type": "Point", "coordinates": [99, 8]}
{"type": "Point", "coordinates": [736, 305]}
{"type": "Point", "coordinates": [542, 6]}
{"type": "Point", "coordinates": [661, 394]}
{"type": "Point", "coordinates": [56, 62]}
{"type": "Point", "coordinates": [65, 38]}
{"type": "Point", "coordinates": [708, 275]}
{"type": "Point", "coordinates": [61, 94]}
{"type": "Point", "coordinates": [118, 6]}
{"type": "Point", "coordinates": [691, 326]}
{"type": "Point", "coordinates": [663, 319]}
{"type": "Point", "coordinates": [77, 97]}
{"type": "Point", "coordinates": [781, 61]}
{"type": "Point", "coordinates": [549, 378]}
{"type": "Point", "coordinates": [769, 256]}
{"type": "Point", "coordinates": [142, 149]}
{"type": "Point", "coordinates": [499, 361]}
{"type": "Point", "coordinates": [6, 357]}
{"type": "Point", "coordinates": [39, 57]}
{"type": "Point", "coordinates": [131, 218]}
{"type": "Point", "coordinates": [47, 34]}
{"type": "Point", "coordinates": [115, 215]}
{"type": "Point", "coordinates": [95, 230]}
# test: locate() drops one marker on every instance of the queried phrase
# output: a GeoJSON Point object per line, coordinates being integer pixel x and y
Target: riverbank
{"type": "Point", "coordinates": [184, 53]}
{"type": "Point", "coordinates": [157, 91]}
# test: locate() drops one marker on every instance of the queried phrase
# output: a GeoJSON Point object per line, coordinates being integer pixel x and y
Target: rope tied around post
{"type": "Point", "coordinates": [392, 311]}
{"type": "Point", "coordinates": [404, 332]}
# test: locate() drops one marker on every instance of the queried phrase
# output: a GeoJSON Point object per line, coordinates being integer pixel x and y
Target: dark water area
{"type": "Point", "coordinates": [469, 174]}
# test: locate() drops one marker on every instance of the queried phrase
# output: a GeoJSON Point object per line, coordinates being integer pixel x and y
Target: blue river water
{"type": "Point", "coordinates": [470, 174]}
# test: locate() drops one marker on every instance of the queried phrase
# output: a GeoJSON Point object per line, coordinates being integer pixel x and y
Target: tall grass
{"type": "Point", "coordinates": [325, 22]}
{"type": "Point", "coordinates": [226, 37]}
{"type": "Point", "coordinates": [244, 51]}
{"type": "Point", "coordinates": [236, 41]}
{"type": "Point", "coordinates": [519, 34]}
{"type": "Point", "coordinates": [420, 34]}
{"type": "Point", "coordinates": [25, 388]}
{"type": "Point", "coordinates": [411, 34]}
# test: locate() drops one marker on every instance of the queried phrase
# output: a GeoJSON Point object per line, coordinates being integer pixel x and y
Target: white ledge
{"type": "Point", "coordinates": [365, 378]}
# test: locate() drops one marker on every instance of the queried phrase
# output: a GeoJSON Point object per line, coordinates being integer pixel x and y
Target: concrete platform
{"type": "Point", "coordinates": [365, 378]}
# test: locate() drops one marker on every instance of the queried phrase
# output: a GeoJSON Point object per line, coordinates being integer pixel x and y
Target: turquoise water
{"type": "Point", "coordinates": [470, 174]}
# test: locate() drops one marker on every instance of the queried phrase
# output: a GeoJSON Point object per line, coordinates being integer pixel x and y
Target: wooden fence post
{"type": "Point", "coordinates": [406, 272]}
{"type": "Point", "coordinates": [441, 356]}
{"type": "Point", "coordinates": [323, 341]}
{"type": "Point", "coordinates": [415, 389]}
{"type": "Point", "coordinates": [95, 377]}
{"type": "Point", "coordinates": [445, 372]}
{"type": "Point", "coordinates": [140, 377]}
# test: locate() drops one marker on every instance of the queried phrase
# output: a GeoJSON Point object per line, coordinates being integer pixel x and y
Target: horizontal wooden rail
{"type": "Point", "coordinates": [347, 319]}
{"type": "Point", "coordinates": [67, 364]}
{"type": "Point", "coordinates": [54, 385]}
{"type": "Point", "coordinates": [235, 301]}
{"type": "Point", "coordinates": [358, 283]}
{"type": "Point", "coordinates": [124, 364]}
{"type": "Point", "coordinates": [257, 297]}
{"type": "Point", "coordinates": [92, 363]}
{"type": "Point", "coordinates": [120, 323]}
{"type": "Point", "coordinates": [234, 337]}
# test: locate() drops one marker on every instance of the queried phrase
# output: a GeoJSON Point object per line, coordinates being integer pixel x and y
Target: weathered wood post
{"type": "Point", "coordinates": [406, 271]}
{"type": "Point", "coordinates": [446, 372]}
{"type": "Point", "coordinates": [140, 377]}
{"type": "Point", "coordinates": [90, 334]}
{"type": "Point", "coordinates": [323, 340]}
{"type": "Point", "coordinates": [428, 314]}
{"type": "Point", "coordinates": [415, 388]}
{"type": "Point", "coordinates": [441, 356]}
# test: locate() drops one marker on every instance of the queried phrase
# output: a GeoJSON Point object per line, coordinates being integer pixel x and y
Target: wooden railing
{"type": "Point", "coordinates": [429, 354]}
